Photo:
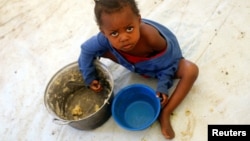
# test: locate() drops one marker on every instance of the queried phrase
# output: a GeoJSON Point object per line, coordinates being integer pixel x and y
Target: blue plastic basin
{"type": "Point", "coordinates": [136, 107]}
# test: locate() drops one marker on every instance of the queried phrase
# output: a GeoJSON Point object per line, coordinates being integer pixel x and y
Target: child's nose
{"type": "Point", "coordinates": [124, 37]}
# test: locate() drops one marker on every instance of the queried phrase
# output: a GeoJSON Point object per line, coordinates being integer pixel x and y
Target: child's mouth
{"type": "Point", "coordinates": [128, 46]}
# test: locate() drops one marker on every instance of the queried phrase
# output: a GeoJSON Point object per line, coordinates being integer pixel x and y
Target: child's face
{"type": "Point", "coordinates": [122, 28]}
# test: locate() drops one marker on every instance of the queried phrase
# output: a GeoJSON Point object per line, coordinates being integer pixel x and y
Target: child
{"type": "Point", "coordinates": [142, 46]}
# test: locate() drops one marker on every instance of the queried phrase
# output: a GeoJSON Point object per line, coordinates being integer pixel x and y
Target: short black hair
{"type": "Point", "coordinates": [110, 6]}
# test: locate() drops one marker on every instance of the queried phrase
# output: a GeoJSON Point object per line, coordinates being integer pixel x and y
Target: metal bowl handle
{"type": "Point", "coordinates": [61, 122]}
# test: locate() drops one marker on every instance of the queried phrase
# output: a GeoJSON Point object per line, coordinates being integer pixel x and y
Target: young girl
{"type": "Point", "coordinates": [142, 46]}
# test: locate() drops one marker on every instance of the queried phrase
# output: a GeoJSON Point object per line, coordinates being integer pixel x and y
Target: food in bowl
{"type": "Point", "coordinates": [77, 111]}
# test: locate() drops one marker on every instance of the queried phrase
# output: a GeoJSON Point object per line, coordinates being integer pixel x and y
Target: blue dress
{"type": "Point", "coordinates": [163, 67]}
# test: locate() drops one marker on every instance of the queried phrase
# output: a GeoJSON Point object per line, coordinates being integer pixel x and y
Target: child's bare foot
{"type": "Point", "coordinates": [166, 127]}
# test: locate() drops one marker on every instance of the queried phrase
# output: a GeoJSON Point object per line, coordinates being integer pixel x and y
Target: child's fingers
{"type": "Point", "coordinates": [163, 98]}
{"type": "Point", "coordinates": [96, 86]}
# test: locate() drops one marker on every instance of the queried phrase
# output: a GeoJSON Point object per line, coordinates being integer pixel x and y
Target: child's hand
{"type": "Point", "coordinates": [164, 99]}
{"type": "Point", "coordinates": [95, 86]}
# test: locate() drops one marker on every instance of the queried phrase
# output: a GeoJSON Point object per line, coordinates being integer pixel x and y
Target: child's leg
{"type": "Point", "coordinates": [187, 73]}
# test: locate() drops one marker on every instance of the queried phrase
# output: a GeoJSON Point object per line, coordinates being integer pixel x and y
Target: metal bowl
{"type": "Point", "coordinates": [71, 102]}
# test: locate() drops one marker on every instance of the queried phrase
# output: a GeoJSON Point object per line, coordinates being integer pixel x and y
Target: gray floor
{"type": "Point", "coordinates": [37, 38]}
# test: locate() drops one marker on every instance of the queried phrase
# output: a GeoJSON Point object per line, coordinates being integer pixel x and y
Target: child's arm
{"type": "Point", "coordinates": [90, 50]}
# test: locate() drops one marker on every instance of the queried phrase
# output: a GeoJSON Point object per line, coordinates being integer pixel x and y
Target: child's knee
{"type": "Point", "coordinates": [193, 70]}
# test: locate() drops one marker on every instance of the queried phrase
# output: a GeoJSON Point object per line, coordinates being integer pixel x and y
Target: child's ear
{"type": "Point", "coordinates": [139, 18]}
{"type": "Point", "coordinates": [101, 31]}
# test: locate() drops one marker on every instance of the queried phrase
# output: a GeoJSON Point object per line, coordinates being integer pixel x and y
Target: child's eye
{"type": "Point", "coordinates": [130, 29]}
{"type": "Point", "coordinates": [114, 34]}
